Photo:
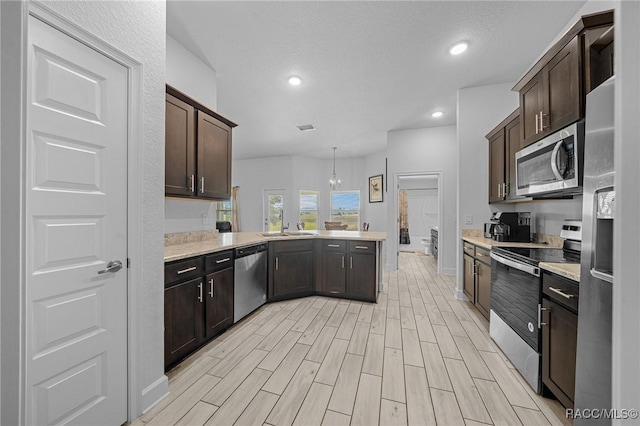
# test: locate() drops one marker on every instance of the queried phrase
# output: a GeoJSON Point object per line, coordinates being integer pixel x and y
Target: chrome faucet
{"type": "Point", "coordinates": [281, 217]}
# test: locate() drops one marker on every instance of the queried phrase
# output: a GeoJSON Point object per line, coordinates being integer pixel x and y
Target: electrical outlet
{"type": "Point", "coordinates": [468, 219]}
{"type": "Point", "coordinates": [206, 219]}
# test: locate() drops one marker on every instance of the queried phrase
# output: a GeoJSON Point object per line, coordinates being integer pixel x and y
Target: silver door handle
{"type": "Point", "coordinates": [601, 275]}
{"type": "Point", "coordinates": [202, 185]}
{"type": "Point", "coordinates": [276, 263]}
{"type": "Point", "coordinates": [541, 121]}
{"type": "Point", "coordinates": [182, 271]}
{"type": "Point", "coordinates": [342, 262]}
{"type": "Point", "coordinates": [333, 245]}
{"type": "Point", "coordinates": [226, 259]}
{"type": "Point", "coordinates": [193, 183]}
{"type": "Point", "coordinates": [200, 292]}
{"type": "Point", "coordinates": [499, 186]}
{"type": "Point", "coordinates": [363, 247]}
{"type": "Point", "coordinates": [562, 293]}
{"type": "Point", "coordinates": [113, 266]}
{"type": "Point", "coordinates": [211, 287]}
{"type": "Point", "coordinates": [351, 262]}
{"type": "Point", "coordinates": [537, 124]}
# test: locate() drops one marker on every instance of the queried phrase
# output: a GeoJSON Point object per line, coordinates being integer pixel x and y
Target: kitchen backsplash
{"type": "Point", "coordinates": [174, 238]}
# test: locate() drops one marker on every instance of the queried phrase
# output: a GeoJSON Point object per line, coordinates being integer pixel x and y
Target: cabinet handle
{"type": "Point", "coordinates": [333, 245]}
{"type": "Point", "coordinates": [537, 130]}
{"type": "Point", "coordinates": [276, 263]}
{"type": "Point", "coordinates": [211, 288]}
{"type": "Point", "coordinates": [200, 292]}
{"type": "Point", "coordinates": [505, 189]}
{"type": "Point", "coordinates": [561, 293]}
{"type": "Point", "coordinates": [499, 195]}
{"type": "Point", "coordinates": [226, 259]}
{"type": "Point", "coordinates": [202, 185]}
{"type": "Point", "coordinates": [475, 269]}
{"type": "Point", "coordinates": [351, 262]}
{"type": "Point", "coordinates": [182, 271]}
{"type": "Point", "coordinates": [540, 309]}
{"type": "Point", "coordinates": [363, 247]}
{"type": "Point", "coordinates": [193, 183]}
{"type": "Point", "coordinates": [342, 262]}
{"type": "Point", "coordinates": [542, 121]}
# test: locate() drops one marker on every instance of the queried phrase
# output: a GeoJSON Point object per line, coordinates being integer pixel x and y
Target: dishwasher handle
{"type": "Point", "coordinates": [531, 270]}
{"type": "Point", "coordinates": [248, 251]}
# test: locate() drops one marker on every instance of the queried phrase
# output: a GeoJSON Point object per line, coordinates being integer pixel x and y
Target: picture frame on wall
{"type": "Point", "coordinates": [376, 189]}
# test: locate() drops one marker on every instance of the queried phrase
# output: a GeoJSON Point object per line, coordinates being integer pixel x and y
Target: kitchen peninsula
{"type": "Point", "coordinates": [203, 283]}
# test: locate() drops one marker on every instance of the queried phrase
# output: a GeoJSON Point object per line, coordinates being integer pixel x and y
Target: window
{"type": "Point", "coordinates": [345, 208]}
{"type": "Point", "coordinates": [224, 210]}
{"type": "Point", "coordinates": [309, 209]}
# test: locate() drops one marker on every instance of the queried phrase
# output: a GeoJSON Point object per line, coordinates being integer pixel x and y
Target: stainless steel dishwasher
{"type": "Point", "coordinates": [250, 282]}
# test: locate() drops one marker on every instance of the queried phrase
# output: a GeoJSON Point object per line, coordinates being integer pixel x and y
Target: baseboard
{"type": "Point", "coordinates": [154, 393]}
{"type": "Point", "coordinates": [448, 271]}
{"type": "Point", "coordinates": [459, 294]}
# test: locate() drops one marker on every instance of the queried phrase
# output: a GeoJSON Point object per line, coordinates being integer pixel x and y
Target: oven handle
{"type": "Point", "coordinates": [531, 270]}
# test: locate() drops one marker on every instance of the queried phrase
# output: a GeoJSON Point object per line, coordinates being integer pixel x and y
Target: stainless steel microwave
{"type": "Point", "coordinates": [553, 165]}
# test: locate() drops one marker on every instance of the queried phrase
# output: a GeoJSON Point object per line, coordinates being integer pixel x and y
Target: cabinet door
{"type": "Point", "coordinates": [334, 277]}
{"type": "Point", "coordinates": [219, 302]}
{"type": "Point", "coordinates": [563, 88]}
{"type": "Point", "coordinates": [468, 278]}
{"type": "Point", "coordinates": [182, 319]}
{"type": "Point", "coordinates": [496, 167]}
{"type": "Point", "coordinates": [361, 280]}
{"type": "Point", "coordinates": [531, 105]}
{"type": "Point", "coordinates": [483, 286]}
{"type": "Point", "coordinates": [513, 144]}
{"type": "Point", "coordinates": [214, 158]}
{"type": "Point", "coordinates": [180, 155]}
{"type": "Point", "coordinates": [559, 339]}
{"type": "Point", "coordinates": [292, 273]}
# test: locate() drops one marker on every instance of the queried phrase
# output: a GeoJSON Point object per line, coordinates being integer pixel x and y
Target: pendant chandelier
{"type": "Point", "coordinates": [334, 182]}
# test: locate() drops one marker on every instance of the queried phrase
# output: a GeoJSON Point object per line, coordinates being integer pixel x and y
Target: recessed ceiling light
{"type": "Point", "coordinates": [459, 48]}
{"type": "Point", "coordinates": [294, 80]}
{"type": "Point", "coordinates": [437, 114]}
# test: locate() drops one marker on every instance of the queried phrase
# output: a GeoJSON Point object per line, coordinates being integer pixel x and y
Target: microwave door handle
{"type": "Point", "coordinates": [554, 161]}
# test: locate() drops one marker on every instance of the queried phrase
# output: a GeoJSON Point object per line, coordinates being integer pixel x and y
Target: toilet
{"type": "Point", "coordinates": [426, 242]}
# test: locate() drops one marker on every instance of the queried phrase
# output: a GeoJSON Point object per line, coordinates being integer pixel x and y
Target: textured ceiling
{"type": "Point", "coordinates": [366, 67]}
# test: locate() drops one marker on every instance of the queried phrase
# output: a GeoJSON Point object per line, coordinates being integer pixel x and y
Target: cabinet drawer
{"type": "Point", "coordinates": [362, 246]}
{"type": "Point", "coordinates": [297, 245]}
{"type": "Point", "coordinates": [334, 245]}
{"type": "Point", "coordinates": [469, 249]}
{"type": "Point", "coordinates": [219, 261]}
{"type": "Point", "coordinates": [183, 270]}
{"type": "Point", "coordinates": [563, 291]}
{"type": "Point", "coordinates": [482, 255]}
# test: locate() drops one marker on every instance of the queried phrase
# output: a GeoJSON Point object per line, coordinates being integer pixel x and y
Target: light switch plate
{"type": "Point", "coordinates": [468, 219]}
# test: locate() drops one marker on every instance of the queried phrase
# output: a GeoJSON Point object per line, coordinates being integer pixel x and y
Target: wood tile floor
{"type": "Point", "coordinates": [417, 357]}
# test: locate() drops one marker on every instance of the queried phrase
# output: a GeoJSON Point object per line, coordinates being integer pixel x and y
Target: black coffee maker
{"type": "Point", "coordinates": [512, 226]}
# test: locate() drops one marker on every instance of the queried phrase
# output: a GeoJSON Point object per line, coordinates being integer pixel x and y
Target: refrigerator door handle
{"type": "Point", "coordinates": [601, 275]}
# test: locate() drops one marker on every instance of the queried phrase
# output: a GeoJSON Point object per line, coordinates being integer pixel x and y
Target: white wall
{"type": "Point", "coordinates": [375, 213]}
{"type": "Point", "coordinates": [626, 294]}
{"type": "Point", "coordinates": [196, 79]}
{"type": "Point", "coordinates": [425, 150]}
{"type": "Point", "coordinates": [548, 215]}
{"type": "Point", "coordinates": [138, 30]}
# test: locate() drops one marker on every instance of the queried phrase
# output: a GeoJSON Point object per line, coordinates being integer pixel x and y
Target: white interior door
{"type": "Point", "coordinates": [76, 222]}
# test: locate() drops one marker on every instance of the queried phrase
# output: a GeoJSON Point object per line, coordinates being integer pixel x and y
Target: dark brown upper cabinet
{"type": "Point", "coordinates": [197, 149]}
{"type": "Point", "coordinates": [504, 142]}
{"type": "Point", "coordinates": [552, 92]}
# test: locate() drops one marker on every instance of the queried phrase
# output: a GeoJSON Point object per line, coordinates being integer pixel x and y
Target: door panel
{"type": "Point", "coordinates": [513, 144]}
{"type": "Point", "coordinates": [564, 85]}
{"type": "Point", "coordinates": [214, 157]}
{"type": "Point", "coordinates": [76, 180]}
{"type": "Point", "coordinates": [183, 310]}
{"type": "Point", "coordinates": [531, 104]}
{"type": "Point", "coordinates": [334, 276]}
{"type": "Point", "coordinates": [219, 301]}
{"type": "Point", "coordinates": [483, 296]}
{"type": "Point", "coordinates": [180, 156]}
{"type": "Point", "coordinates": [496, 167]}
{"type": "Point", "coordinates": [361, 281]}
{"type": "Point", "coordinates": [468, 279]}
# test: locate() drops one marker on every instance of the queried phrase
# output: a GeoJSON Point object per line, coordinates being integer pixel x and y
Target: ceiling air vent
{"type": "Point", "coordinates": [306, 127]}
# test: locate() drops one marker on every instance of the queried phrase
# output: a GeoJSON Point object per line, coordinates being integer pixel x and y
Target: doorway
{"type": "Point", "coordinates": [418, 210]}
{"type": "Point", "coordinates": [273, 209]}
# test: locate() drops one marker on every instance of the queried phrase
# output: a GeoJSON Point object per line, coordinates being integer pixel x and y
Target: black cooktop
{"type": "Point", "coordinates": [537, 255]}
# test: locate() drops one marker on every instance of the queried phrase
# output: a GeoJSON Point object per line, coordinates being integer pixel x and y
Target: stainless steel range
{"type": "Point", "coordinates": [516, 297]}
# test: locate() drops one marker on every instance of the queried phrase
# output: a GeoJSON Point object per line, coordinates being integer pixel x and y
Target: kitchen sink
{"type": "Point", "coordinates": [286, 234]}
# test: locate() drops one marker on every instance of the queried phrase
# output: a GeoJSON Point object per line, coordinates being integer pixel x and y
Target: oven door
{"type": "Point", "coordinates": [550, 165]}
{"type": "Point", "coordinates": [514, 319]}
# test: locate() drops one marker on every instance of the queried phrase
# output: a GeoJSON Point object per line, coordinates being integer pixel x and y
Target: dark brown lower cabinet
{"type": "Point", "coordinates": [219, 302]}
{"type": "Point", "coordinates": [182, 320]}
{"type": "Point", "coordinates": [476, 277]}
{"type": "Point", "coordinates": [334, 279]}
{"type": "Point", "coordinates": [468, 278]}
{"type": "Point", "coordinates": [291, 269]}
{"type": "Point", "coordinates": [198, 309]}
{"type": "Point", "coordinates": [361, 277]}
{"type": "Point", "coordinates": [559, 338]}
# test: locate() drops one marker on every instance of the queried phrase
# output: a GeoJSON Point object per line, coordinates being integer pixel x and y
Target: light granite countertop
{"type": "Point", "coordinates": [567, 270]}
{"type": "Point", "coordinates": [231, 240]}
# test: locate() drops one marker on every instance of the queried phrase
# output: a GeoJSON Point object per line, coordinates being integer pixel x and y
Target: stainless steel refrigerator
{"type": "Point", "coordinates": [593, 359]}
